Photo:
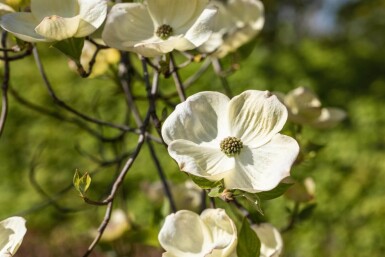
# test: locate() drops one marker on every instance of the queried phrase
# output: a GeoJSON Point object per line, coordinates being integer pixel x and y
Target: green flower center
{"type": "Point", "coordinates": [164, 31]}
{"type": "Point", "coordinates": [231, 146]}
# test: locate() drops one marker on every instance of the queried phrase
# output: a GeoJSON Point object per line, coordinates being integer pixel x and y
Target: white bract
{"type": "Point", "coordinates": [271, 240]}
{"type": "Point", "coordinates": [212, 234]}
{"type": "Point", "coordinates": [305, 108]}
{"type": "Point", "coordinates": [156, 27]}
{"type": "Point", "coordinates": [237, 22]}
{"type": "Point", "coordinates": [12, 231]}
{"type": "Point", "coordinates": [236, 140]}
{"type": "Point", "coordinates": [55, 20]}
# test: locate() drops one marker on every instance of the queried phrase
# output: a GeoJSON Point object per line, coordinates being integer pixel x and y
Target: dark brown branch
{"type": "Point", "coordinates": [5, 85]}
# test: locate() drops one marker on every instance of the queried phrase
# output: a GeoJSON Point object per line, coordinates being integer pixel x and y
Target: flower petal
{"type": "Point", "coordinates": [43, 8]}
{"type": "Point", "coordinates": [202, 161]}
{"type": "Point", "coordinates": [201, 30]}
{"type": "Point", "coordinates": [58, 28]}
{"type": "Point", "coordinates": [201, 118]}
{"type": "Point", "coordinates": [22, 25]}
{"type": "Point", "coordinates": [127, 25]}
{"type": "Point", "coordinates": [271, 240]}
{"type": "Point", "coordinates": [223, 230]}
{"type": "Point", "coordinates": [185, 234]}
{"type": "Point", "coordinates": [12, 231]}
{"type": "Point", "coordinates": [261, 169]}
{"type": "Point", "coordinates": [329, 118]}
{"type": "Point", "coordinates": [159, 46]}
{"type": "Point", "coordinates": [5, 9]}
{"type": "Point", "coordinates": [256, 116]}
{"type": "Point", "coordinates": [176, 13]}
{"type": "Point", "coordinates": [92, 14]}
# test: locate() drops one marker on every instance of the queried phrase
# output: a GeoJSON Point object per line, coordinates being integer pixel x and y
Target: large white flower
{"type": "Point", "coordinates": [55, 20]}
{"type": "Point", "coordinates": [305, 108]}
{"type": "Point", "coordinates": [12, 231]}
{"type": "Point", "coordinates": [237, 140]}
{"type": "Point", "coordinates": [212, 234]}
{"type": "Point", "coordinates": [237, 22]}
{"type": "Point", "coordinates": [156, 27]}
{"type": "Point", "coordinates": [271, 240]}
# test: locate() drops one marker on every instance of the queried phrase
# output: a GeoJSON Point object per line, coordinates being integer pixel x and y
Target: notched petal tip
{"type": "Point", "coordinates": [268, 94]}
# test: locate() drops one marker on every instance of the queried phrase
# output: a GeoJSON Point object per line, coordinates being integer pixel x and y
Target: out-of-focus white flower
{"type": "Point", "coordinates": [104, 59]}
{"type": "Point", "coordinates": [305, 108]}
{"type": "Point", "coordinates": [237, 22]}
{"type": "Point", "coordinates": [156, 27]}
{"type": "Point", "coordinates": [302, 191]}
{"type": "Point", "coordinates": [271, 240]}
{"type": "Point", "coordinates": [12, 231]}
{"type": "Point", "coordinates": [212, 234]}
{"type": "Point", "coordinates": [236, 140]}
{"type": "Point", "coordinates": [118, 225]}
{"type": "Point", "coordinates": [55, 20]}
{"type": "Point", "coordinates": [187, 195]}
{"type": "Point", "coordinates": [4, 8]}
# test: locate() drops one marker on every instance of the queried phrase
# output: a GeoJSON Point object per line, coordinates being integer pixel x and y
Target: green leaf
{"type": "Point", "coordinates": [274, 193]}
{"type": "Point", "coordinates": [216, 192]}
{"type": "Point", "coordinates": [71, 47]}
{"type": "Point", "coordinates": [205, 183]}
{"type": "Point", "coordinates": [81, 182]}
{"type": "Point", "coordinates": [254, 199]}
{"type": "Point", "coordinates": [249, 244]}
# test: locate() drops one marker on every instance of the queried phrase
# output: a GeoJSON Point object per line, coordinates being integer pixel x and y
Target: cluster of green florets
{"type": "Point", "coordinates": [231, 146]}
{"type": "Point", "coordinates": [164, 31]}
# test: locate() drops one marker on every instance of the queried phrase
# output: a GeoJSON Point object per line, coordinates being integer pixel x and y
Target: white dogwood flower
{"type": "Point", "coordinates": [236, 140]}
{"type": "Point", "coordinates": [212, 234]}
{"type": "Point", "coordinates": [156, 27]}
{"type": "Point", "coordinates": [12, 231]}
{"type": "Point", "coordinates": [305, 108]}
{"type": "Point", "coordinates": [55, 20]}
{"type": "Point", "coordinates": [236, 23]}
{"type": "Point", "coordinates": [271, 240]}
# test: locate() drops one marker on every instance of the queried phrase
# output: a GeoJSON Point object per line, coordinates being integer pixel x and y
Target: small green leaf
{"type": "Point", "coordinates": [81, 182]}
{"type": "Point", "coordinates": [71, 47]}
{"type": "Point", "coordinates": [274, 193]}
{"type": "Point", "coordinates": [249, 244]}
{"type": "Point", "coordinates": [254, 199]}
{"type": "Point", "coordinates": [216, 192]}
{"type": "Point", "coordinates": [205, 183]}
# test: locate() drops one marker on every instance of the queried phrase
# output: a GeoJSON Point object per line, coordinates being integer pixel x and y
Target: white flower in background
{"type": "Point", "coordinates": [4, 8]}
{"type": "Point", "coordinates": [12, 231]}
{"type": "Point", "coordinates": [118, 225]}
{"type": "Point", "coordinates": [303, 191]}
{"type": "Point", "coordinates": [237, 140]}
{"type": "Point", "coordinates": [237, 22]}
{"type": "Point", "coordinates": [55, 20]}
{"type": "Point", "coordinates": [187, 195]}
{"type": "Point", "coordinates": [212, 234]}
{"type": "Point", "coordinates": [305, 108]}
{"type": "Point", "coordinates": [156, 27]}
{"type": "Point", "coordinates": [271, 240]}
{"type": "Point", "coordinates": [104, 59]}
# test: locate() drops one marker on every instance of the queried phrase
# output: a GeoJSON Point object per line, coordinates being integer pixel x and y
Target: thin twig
{"type": "Point", "coordinates": [177, 79]}
{"type": "Point", "coordinates": [219, 71]}
{"type": "Point", "coordinates": [101, 229]}
{"type": "Point", "coordinates": [5, 85]}
{"type": "Point", "coordinates": [66, 107]}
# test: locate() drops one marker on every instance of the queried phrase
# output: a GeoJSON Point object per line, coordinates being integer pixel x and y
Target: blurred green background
{"type": "Point", "coordinates": [335, 47]}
